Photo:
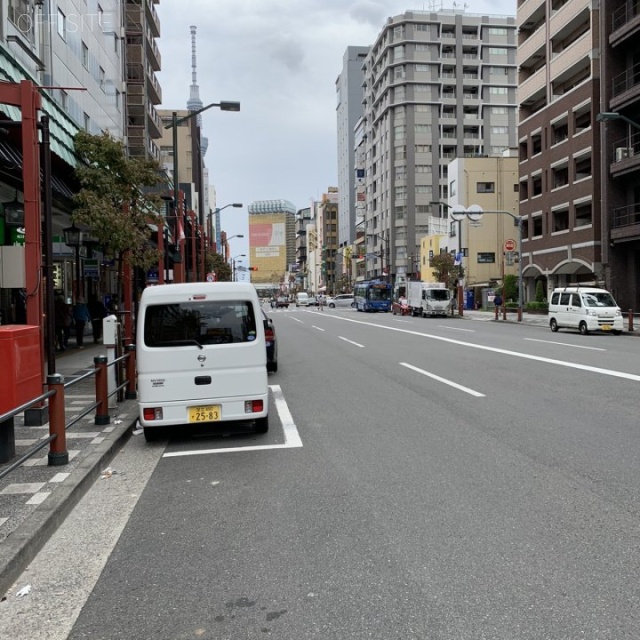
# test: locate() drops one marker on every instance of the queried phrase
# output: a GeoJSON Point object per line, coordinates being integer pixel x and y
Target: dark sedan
{"type": "Point", "coordinates": [272, 343]}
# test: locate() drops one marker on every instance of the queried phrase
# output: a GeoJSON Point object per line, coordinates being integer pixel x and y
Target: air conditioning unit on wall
{"type": "Point", "coordinates": [623, 152]}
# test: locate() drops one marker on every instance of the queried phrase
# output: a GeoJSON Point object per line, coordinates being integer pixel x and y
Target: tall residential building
{"type": "Point", "coordinates": [142, 27]}
{"type": "Point", "coordinates": [349, 96]}
{"type": "Point", "coordinates": [272, 241]}
{"type": "Point", "coordinates": [559, 142]}
{"type": "Point", "coordinates": [439, 85]}
{"type": "Point", "coordinates": [620, 95]}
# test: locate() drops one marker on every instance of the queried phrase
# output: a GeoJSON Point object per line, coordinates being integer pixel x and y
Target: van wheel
{"type": "Point", "coordinates": [616, 333]}
{"type": "Point", "coordinates": [332, 306]}
{"type": "Point", "coordinates": [583, 328]}
{"type": "Point", "coordinates": [272, 366]}
{"type": "Point", "coordinates": [262, 425]}
{"type": "Point", "coordinates": [553, 324]}
{"type": "Point", "coordinates": [153, 434]}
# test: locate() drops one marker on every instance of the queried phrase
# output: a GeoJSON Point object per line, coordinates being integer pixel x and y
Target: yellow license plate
{"type": "Point", "coordinates": [208, 413]}
{"type": "Point", "coordinates": [606, 327]}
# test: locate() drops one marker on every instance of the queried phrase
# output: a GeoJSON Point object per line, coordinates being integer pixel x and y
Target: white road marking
{"type": "Point", "coordinates": [565, 344]}
{"type": "Point", "coordinates": [444, 326]}
{"type": "Point", "coordinates": [296, 319]}
{"type": "Point", "coordinates": [398, 320]}
{"type": "Point", "coordinates": [455, 385]}
{"type": "Point", "coordinates": [352, 342]}
{"type": "Point", "coordinates": [291, 435]}
{"type": "Point", "coordinates": [318, 328]}
{"type": "Point", "coordinates": [515, 354]}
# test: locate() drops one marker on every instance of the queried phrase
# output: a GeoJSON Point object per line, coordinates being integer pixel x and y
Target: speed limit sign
{"type": "Point", "coordinates": [509, 245]}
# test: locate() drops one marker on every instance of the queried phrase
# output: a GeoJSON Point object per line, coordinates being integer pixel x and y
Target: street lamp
{"type": "Point", "coordinates": [13, 212]}
{"type": "Point", "coordinates": [474, 213]}
{"type": "Point", "coordinates": [233, 263]}
{"type": "Point", "coordinates": [175, 122]}
{"type": "Point", "coordinates": [73, 238]}
{"type": "Point", "coordinates": [385, 253]}
{"type": "Point", "coordinates": [217, 211]}
{"type": "Point", "coordinates": [605, 116]}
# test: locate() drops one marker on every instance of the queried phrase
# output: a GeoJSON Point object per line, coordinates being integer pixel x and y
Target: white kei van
{"type": "Point", "coordinates": [302, 299]}
{"type": "Point", "coordinates": [201, 356]}
{"type": "Point", "coordinates": [585, 309]}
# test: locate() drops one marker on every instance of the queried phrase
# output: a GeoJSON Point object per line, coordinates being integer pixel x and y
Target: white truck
{"type": "Point", "coordinates": [428, 299]}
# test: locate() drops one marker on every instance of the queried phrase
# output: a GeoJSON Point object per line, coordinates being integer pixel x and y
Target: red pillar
{"type": "Point", "coordinates": [194, 273]}
{"type": "Point", "coordinates": [127, 294]}
{"type": "Point", "coordinates": [161, 260]}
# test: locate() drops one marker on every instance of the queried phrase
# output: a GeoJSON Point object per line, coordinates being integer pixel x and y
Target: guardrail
{"type": "Point", "coordinates": [58, 454]}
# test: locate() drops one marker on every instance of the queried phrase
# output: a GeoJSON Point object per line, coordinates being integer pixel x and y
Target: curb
{"type": "Point", "coordinates": [22, 546]}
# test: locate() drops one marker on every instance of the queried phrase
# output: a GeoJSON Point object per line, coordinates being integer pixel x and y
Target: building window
{"type": "Point", "coordinates": [452, 188]}
{"type": "Point", "coordinates": [401, 173]}
{"type": "Point", "coordinates": [499, 111]}
{"type": "Point", "coordinates": [400, 193]}
{"type": "Point", "coordinates": [497, 31]}
{"type": "Point", "coordinates": [536, 143]}
{"type": "Point", "coordinates": [583, 168]}
{"type": "Point", "coordinates": [64, 100]}
{"type": "Point", "coordinates": [400, 152]}
{"type": "Point", "coordinates": [400, 72]}
{"type": "Point", "coordinates": [486, 187]}
{"type": "Point", "coordinates": [87, 122]}
{"type": "Point", "coordinates": [560, 177]}
{"type": "Point", "coordinates": [584, 215]}
{"type": "Point", "coordinates": [423, 148]}
{"type": "Point", "coordinates": [398, 53]}
{"type": "Point", "coordinates": [424, 188]}
{"type": "Point", "coordinates": [102, 78]}
{"type": "Point", "coordinates": [561, 220]}
{"type": "Point", "coordinates": [118, 101]}
{"type": "Point", "coordinates": [499, 129]}
{"type": "Point", "coordinates": [498, 71]}
{"type": "Point", "coordinates": [423, 128]}
{"type": "Point", "coordinates": [537, 186]}
{"type": "Point", "coordinates": [498, 51]}
{"type": "Point", "coordinates": [423, 168]}
{"type": "Point", "coordinates": [537, 226]}
{"type": "Point", "coordinates": [486, 257]}
{"type": "Point", "coordinates": [62, 25]}
{"type": "Point", "coordinates": [85, 56]}
{"type": "Point", "coordinates": [399, 132]}
{"type": "Point", "coordinates": [560, 132]}
{"type": "Point", "coordinates": [498, 91]}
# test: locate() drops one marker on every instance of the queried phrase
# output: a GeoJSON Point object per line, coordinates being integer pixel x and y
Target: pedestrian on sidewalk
{"type": "Point", "coordinates": [62, 320]}
{"type": "Point", "coordinates": [98, 312]}
{"type": "Point", "coordinates": [498, 302]}
{"type": "Point", "coordinates": [81, 316]}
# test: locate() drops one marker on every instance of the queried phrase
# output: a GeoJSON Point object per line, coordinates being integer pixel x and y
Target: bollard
{"type": "Point", "coordinates": [520, 313]}
{"type": "Point", "coordinates": [102, 391]}
{"type": "Point", "coordinates": [7, 440]}
{"type": "Point", "coordinates": [58, 454]}
{"type": "Point", "coordinates": [504, 312]}
{"type": "Point", "coordinates": [131, 372]}
{"type": "Point", "coordinates": [497, 311]}
{"type": "Point", "coordinates": [630, 319]}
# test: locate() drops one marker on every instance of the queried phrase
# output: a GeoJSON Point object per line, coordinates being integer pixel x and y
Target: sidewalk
{"type": "Point", "coordinates": [35, 498]}
{"type": "Point", "coordinates": [533, 319]}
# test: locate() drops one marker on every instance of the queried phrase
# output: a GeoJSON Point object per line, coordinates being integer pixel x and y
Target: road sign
{"type": "Point", "coordinates": [211, 277]}
{"type": "Point", "coordinates": [509, 245]}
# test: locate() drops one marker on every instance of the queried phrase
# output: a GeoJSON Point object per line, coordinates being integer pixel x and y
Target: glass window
{"type": "Point", "coordinates": [85, 56]}
{"type": "Point", "coordinates": [62, 25]}
{"type": "Point", "coordinates": [209, 322]}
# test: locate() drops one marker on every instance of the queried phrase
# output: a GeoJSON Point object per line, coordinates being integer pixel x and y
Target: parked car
{"type": "Point", "coordinates": [282, 302]}
{"type": "Point", "coordinates": [342, 300]}
{"type": "Point", "coordinates": [272, 343]}
{"type": "Point", "coordinates": [400, 306]}
{"type": "Point", "coordinates": [313, 301]}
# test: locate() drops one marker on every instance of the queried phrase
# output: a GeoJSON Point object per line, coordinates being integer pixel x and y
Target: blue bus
{"type": "Point", "coordinates": [373, 295]}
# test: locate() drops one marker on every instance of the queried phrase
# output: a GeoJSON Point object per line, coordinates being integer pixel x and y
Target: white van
{"type": "Point", "coordinates": [201, 356]}
{"type": "Point", "coordinates": [302, 299]}
{"type": "Point", "coordinates": [584, 308]}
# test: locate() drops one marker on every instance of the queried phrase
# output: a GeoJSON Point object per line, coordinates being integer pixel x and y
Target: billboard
{"type": "Point", "coordinates": [268, 247]}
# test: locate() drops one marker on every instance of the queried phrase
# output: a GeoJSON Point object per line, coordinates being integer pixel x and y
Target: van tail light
{"type": "Point", "coordinates": [268, 334]}
{"type": "Point", "coordinates": [253, 406]}
{"type": "Point", "coordinates": [151, 413]}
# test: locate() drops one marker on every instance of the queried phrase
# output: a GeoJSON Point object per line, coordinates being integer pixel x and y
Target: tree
{"type": "Point", "coordinates": [446, 270]}
{"type": "Point", "coordinates": [217, 264]}
{"type": "Point", "coordinates": [116, 201]}
{"type": "Point", "coordinates": [539, 291]}
{"type": "Point", "coordinates": [510, 288]}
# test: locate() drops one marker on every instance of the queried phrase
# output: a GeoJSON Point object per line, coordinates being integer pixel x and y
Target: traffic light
{"type": "Point", "coordinates": [253, 268]}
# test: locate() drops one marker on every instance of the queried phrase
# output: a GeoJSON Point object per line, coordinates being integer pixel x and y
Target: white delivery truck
{"type": "Point", "coordinates": [428, 299]}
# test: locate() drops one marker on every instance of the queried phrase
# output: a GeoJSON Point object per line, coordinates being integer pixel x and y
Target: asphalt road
{"type": "Point", "coordinates": [422, 479]}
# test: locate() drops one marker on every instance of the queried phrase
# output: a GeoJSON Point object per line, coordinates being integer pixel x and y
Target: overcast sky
{"type": "Point", "coordinates": [280, 59]}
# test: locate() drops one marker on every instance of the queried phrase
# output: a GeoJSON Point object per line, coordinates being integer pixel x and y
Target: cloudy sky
{"type": "Point", "coordinates": [280, 59]}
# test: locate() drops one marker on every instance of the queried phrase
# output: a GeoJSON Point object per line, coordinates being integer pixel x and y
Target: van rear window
{"type": "Point", "coordinates": [199, 323]}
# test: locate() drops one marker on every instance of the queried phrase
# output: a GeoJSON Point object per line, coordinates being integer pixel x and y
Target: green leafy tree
{"type": "Point", "coordinates": [510, 288]}
{"type": "Point", "coordinates": [445, 270]}
{"type": "Point", "coordinates": [539, 291]}
{"type": "Point", "coordinates": [118, 198]}
{"type": "Point", "coordinates": [217, 264]}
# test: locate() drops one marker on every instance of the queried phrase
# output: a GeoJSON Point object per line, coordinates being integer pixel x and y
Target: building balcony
{"type": "Point", "coordinates": [529, 12]}
{"type": "Point", "coordinates": [625, 87]}
{"type": "Point", "coordinates": [532, 85]}
{"type": "Point", "coordinates": [572, 56]}
{"type": "Point", "coordinates": [154, 90]}
{"type": "Point", "coordinates": [561, 18]}
{"type": "Point", "coordinates": [625, 155]}
{"type": "Point", "coordinates": [153, 52]}
{"type": "Point", "coordinates": [153, 21]}
{"type": "Point", "coordinates": [532, 49]}
{"type": "Point", "coordinates": [625, 21]}
{"type": "Point", "coordinates": [626, 223]}
{"type": "Point", "coordinates": [134, 18]}
{"type": "Point", "coordinates": [154, 123]}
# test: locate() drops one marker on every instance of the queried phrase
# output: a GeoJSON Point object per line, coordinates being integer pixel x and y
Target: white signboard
{"type": "Point", "coordinates": [267, 252]}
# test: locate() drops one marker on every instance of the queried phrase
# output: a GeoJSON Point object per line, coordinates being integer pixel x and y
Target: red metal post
{"type": "Point", "coordinates": [194, 273]}
{"type": "Point", "coordinates": [203, 272]}
{"type": "Point", "coordinates": [161, 260]}
{"type": "Point", "coordinates": [630, 319]}
{"type": "Point", "coordinates": [127, 293]}
{"type": "Point", "coordinates": [58, 454]}
{"type": "Point", "coordinates": [102, 391]}
{"type": "Point", "coordinates": [131, 393]}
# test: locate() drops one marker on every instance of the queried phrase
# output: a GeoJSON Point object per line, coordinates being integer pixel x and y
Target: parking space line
{"type": "Point", "coordinates": [291, 436]}
{"type": "Point", "coordinates": [471, 392]}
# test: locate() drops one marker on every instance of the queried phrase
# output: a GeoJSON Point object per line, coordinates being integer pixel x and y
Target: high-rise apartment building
{"type": "Point", "coordinates": [142, 27]}
{"type": "Point", "coordinates": [438, 85]}
{"type": "Point", "coordinates": [620, 99]}
{"type": "Point", "coordinates": [559, 142]}
{"type": "Point", "coordinates": [349, 95]}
